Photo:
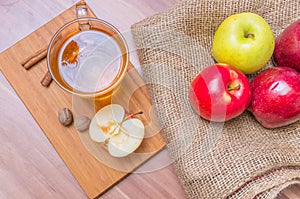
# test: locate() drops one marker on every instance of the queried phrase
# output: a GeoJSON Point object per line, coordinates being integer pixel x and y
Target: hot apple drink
{"type": "Point", "coordinates": [89, 61]}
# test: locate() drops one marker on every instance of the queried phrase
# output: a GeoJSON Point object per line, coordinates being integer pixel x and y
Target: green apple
{"type": "Point", "coordinates": [245, 41]}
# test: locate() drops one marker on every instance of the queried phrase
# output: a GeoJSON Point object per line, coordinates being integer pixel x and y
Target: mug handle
{"type": "Point", "coordinates": [82, 12]}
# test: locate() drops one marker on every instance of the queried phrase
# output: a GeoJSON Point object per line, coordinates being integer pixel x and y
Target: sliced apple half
{"type": "Point", "coordinates": [121, 134]}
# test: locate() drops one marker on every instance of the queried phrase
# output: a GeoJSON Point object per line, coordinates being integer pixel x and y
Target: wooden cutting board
{"type": "Point", "coordinates": [90, 164]}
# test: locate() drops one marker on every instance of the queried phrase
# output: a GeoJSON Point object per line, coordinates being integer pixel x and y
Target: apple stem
{"type": "Point", "coordinates": [235, 87]}
{"type": "Point", "coordinates": [249, 35]}
{"type": "Point", "coordinates": [113, 133]}
{"type": "Point", "coordinates": [134, 114]}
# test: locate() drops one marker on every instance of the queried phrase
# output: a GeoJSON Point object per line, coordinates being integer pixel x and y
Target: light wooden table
{"type": "Point", "coordinates": [29, 165]}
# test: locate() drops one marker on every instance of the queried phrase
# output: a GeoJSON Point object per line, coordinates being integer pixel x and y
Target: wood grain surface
{"type": "Point", "coordinates": [29, 165]}
{"type": "Point", "coordinates": [92, 166]}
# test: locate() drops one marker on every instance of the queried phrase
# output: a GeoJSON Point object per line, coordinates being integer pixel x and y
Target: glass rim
{"type": "Point", "coordinates": [95, 93]}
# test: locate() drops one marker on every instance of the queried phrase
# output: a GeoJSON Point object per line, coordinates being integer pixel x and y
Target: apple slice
{"type": "Point", "coordinates": [122, 135]}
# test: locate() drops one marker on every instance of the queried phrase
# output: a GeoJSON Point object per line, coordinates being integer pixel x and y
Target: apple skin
{"type": "Point", "coordinates": [276, 97]}
{"type": "Point", "coordinates": [245, 41]}
{"type": "Point", "coordinates": [219, 93]}
{"type": "Point", "coordinates": [287, 47]}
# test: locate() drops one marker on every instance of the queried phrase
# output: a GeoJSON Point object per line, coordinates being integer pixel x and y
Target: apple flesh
{"type": "Point", "coordinates": [287, 47]}
{"type": "Point", "coordinates": [219, 93]}
{"type": "Point", "coordinates": [245, 41]}
{"type": "Point", "coordinates": [276, 97]}
{"type": "Point", "coordinates": [121, 135]}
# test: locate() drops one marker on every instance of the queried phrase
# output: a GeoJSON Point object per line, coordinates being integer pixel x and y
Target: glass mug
{"type": "Point", "coordinates": [88, 57]}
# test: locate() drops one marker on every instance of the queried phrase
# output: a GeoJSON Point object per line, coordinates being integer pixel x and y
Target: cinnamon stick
{"type": "Point", "coordinates": [47, 79]}
{"type": "Point", "coordinates": [35, 58]}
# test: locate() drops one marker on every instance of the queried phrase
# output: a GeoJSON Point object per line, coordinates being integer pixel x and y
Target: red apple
{"type": "Point", "coordinates": [276, 97]}
{"type": "Point", "coordinates": [220, 92]}
{"type": "Point", "coordinates": [287, 47]}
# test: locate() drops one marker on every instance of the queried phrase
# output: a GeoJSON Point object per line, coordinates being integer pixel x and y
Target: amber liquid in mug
{"type": "Point", "coordinates": [90, 61]}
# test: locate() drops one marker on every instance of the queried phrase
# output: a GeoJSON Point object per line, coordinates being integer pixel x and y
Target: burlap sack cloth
{"type": "Point", "coordinates": [238, 159]}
